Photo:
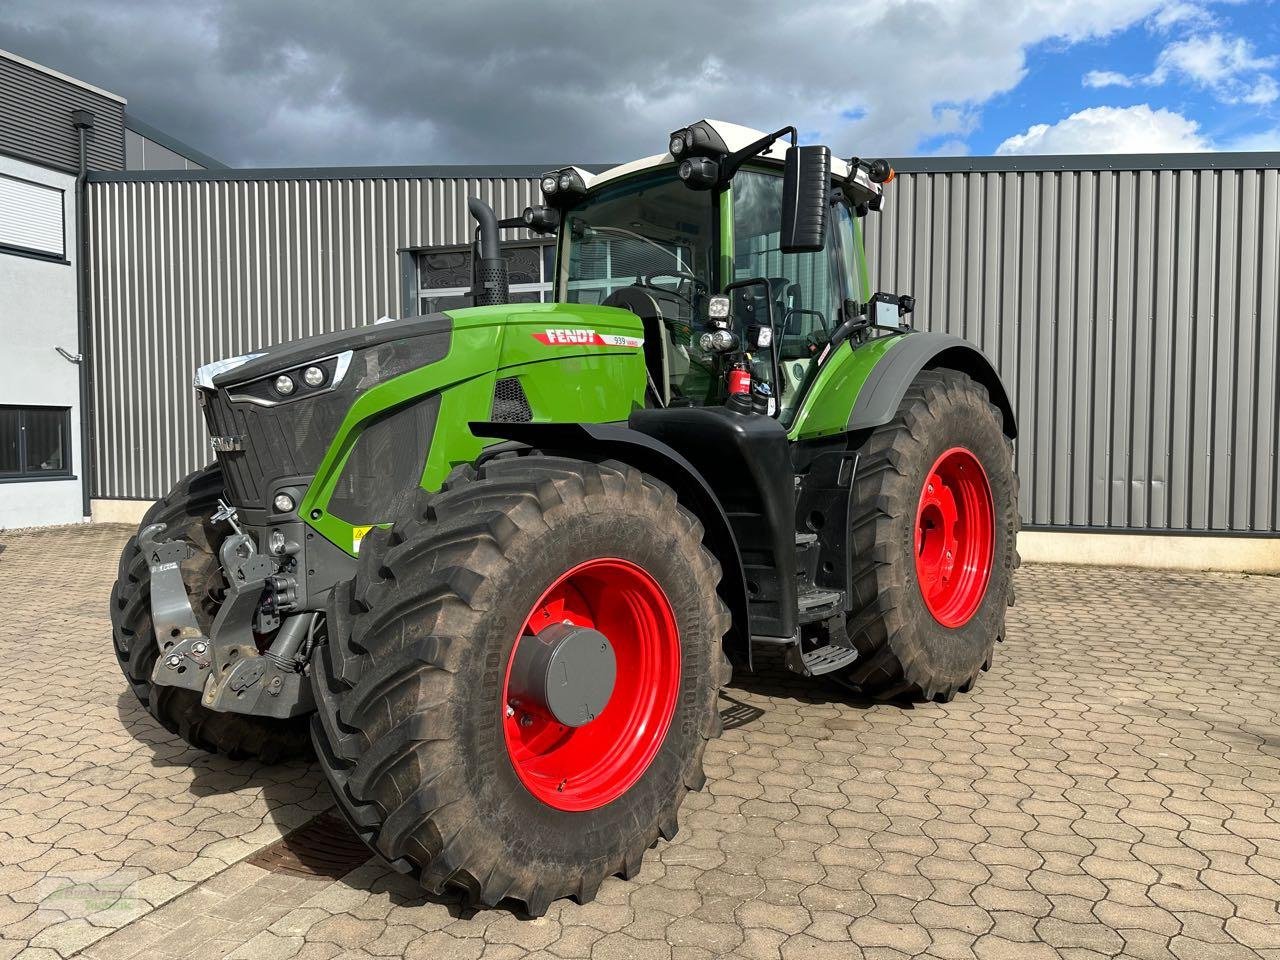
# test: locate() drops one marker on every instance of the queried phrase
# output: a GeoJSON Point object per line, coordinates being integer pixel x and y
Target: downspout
{"type": "Point", "coordinates": [82, 120]}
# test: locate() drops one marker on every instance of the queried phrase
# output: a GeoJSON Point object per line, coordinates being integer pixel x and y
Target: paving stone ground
{"type": "Point", "coordinates": [1110, 788]}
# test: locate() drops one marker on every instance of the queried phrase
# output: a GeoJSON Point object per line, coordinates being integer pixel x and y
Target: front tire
{"type": "Point", "coordinates": [185, 511]}
{"type": "Point", "coordinates": [934, 532]}
{"type": "Point", "coordinates": [416, 726]}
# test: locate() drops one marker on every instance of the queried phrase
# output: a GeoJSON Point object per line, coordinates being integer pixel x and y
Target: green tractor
{"type": "Point", "coordinates": [493, 564]}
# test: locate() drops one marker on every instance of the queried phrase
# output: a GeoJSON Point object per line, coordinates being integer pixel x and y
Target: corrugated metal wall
{"type": "Point", "coordinates": [1132, 312]}
{"type": "Point", "coordinates": [188, 271]}
{"type": "Point", "coordinates": [1133, 317]}
{"type": "Point", "coordinates": [35, 119]}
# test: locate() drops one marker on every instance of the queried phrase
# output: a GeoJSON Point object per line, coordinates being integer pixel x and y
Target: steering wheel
{"type": "Point", "coordinates": [648, 278]}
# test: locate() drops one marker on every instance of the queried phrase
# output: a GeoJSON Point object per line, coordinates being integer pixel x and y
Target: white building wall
{"type": "Point", "coordinates": [37, 314]}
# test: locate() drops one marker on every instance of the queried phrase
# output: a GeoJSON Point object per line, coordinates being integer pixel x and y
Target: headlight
{"type": "Point", "coordinates": [549, 184]}
{"type": "Point", "coordinates": [676, 146]}
{"type": "Point", "coordinates": [284, 385]}
{"type": "Point", "coordinates": [313, 376]}
{"type": "Point", "coordinates": [283, 503]}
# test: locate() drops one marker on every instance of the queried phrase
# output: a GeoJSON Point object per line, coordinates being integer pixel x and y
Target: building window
{"type": "Point", "coordinates": [444, 274]}
{"type": "Point", "coordinates": [35, 443]}
{"type": "Point", "coordinates": [31, 219]}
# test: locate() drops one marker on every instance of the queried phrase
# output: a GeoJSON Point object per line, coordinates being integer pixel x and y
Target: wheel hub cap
{"type": "Point", "coordinates": [566, 670]}
{"type": "Point", "coordinates": [955, 537]}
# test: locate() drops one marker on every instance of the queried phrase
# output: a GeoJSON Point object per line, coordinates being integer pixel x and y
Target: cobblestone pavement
{"type": "Point", "coordinates": [1111, 787]}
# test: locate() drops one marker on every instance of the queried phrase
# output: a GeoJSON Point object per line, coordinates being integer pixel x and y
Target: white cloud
{"type": "Point", "coordinates": [1106, 78]}
{"type": "Point", "coordinates": [1137, 129]}
{"type": "Point", "coordinates": [1226, 66]}
{"type": "Point", "coordinates": [1180, 14]}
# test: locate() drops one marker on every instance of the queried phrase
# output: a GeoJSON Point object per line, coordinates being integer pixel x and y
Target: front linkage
{"type": "Point", "coordinates": [226, 666]}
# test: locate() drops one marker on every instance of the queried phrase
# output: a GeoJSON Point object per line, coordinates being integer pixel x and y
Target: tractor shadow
{"type": "Point", "coordinates": [751, 693]}
{"type": "Point", "coordinates": [317, 842]}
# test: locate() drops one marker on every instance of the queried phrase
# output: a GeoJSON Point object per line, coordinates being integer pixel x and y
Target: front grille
{"type": "Point", "coordinates": [510, 405]}
{"type": "Point", "coordinates": [290, 438]}
{"type": "Point", "coordinates": [281, 441]}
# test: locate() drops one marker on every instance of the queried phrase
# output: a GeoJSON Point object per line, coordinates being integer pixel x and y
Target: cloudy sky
{"type": "Point", "coordinates": [287, 82]}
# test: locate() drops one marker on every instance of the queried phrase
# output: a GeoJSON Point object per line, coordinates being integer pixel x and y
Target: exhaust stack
{"type": "Point", "coordinates": [489, 279]}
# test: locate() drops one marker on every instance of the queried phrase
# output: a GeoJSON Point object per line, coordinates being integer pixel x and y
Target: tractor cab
{"type": "Point", "coordinates": [741, 255]}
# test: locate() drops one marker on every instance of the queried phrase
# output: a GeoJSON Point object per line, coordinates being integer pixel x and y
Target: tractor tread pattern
{"type": "Point", "coordinates": [890, 665]}
{"type": "Point", "coordinates": [427, 570]}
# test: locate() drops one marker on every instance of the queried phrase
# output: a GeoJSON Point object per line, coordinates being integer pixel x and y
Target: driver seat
{"type": "Point", "coordinates": [660, 353]}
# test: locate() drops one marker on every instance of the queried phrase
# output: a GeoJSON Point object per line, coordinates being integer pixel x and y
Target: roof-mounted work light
{"type": "Point", "coordinates": [562, 187]}
{"type": "Point", "coordinates": [696, 140]}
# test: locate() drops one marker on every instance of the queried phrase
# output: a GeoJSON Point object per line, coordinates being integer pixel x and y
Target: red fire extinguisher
{"type": "Point", "coordinates": [740, 378]}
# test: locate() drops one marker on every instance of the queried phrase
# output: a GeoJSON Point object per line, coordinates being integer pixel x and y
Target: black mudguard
{"type": "Point", "coordinates": [616, 441]}
{"type": "Point", "coordinates": [880, 396]}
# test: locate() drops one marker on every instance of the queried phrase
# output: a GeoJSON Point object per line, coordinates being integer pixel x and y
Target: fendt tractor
{"type": "Point", "coordinates": [493, 564]}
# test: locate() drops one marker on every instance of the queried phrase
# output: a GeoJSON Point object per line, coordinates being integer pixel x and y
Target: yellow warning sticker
{"type": "Point", "coordinates": [357, 535]}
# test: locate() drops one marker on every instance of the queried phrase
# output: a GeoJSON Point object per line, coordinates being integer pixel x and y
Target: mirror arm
{"type": "Point", "coordinates": [729, 165]}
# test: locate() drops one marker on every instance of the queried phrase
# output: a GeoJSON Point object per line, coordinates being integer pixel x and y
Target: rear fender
{"type": "Point", "coordinates": [611, 441]}
{"type": "Point", "coordinates": [881, 394]}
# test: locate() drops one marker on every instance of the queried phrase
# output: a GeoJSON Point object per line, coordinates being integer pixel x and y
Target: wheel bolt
{"type": "Point", "coordinates": [526, 720]}
{"type": "Point", "coordinates": [173, 662]}
{"type": "Point", "coordinates": [511, 711]}
{"type": "Point", "coordinates": [199, 647]}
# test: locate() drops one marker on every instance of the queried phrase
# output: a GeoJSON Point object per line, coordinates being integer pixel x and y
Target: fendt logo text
{"type": "Point", "coordinates": [571, 337]}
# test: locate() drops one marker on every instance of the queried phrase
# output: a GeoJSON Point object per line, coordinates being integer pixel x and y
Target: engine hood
{"type": "Point", "coordinates": [282, 356]}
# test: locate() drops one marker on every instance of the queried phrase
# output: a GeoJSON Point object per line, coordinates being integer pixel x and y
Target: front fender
{"type": "Point", "coordinates": [614, 441]}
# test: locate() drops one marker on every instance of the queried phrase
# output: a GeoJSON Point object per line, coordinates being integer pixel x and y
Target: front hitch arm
{"type": "Point", "coordinates": [225, 665]}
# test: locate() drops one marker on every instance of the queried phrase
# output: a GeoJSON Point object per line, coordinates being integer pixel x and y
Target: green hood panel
{"type": "Point", "coordinates": [575, 364]}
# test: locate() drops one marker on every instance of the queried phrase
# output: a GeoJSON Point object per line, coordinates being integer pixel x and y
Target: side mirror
{"type": "Point", "coordinates": [806, 181]}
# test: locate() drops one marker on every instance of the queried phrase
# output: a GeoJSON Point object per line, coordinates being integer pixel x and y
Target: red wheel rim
{"type": "Point", "coordinates": [955, 537]}
{"type": "Point", "coordinates": [582, 768]}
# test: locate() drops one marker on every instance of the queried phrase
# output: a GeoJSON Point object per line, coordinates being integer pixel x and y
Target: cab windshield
{"type": "Point", "coordinates": [654, 233]}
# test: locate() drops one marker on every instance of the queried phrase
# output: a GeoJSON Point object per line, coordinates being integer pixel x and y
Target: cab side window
{"type": "Point", "coordinates": [803, 286]}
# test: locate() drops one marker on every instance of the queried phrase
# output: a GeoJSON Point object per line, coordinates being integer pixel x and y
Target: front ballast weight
{"type": "Point", "coordinates": [226, 667]}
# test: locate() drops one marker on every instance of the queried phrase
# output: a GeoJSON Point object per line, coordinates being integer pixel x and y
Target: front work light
{"type": "Point", "coordinates": [718, 307]}
{"type": "Point", "coordinates": [549, 184]}
{"type": "Point", "coordinates": [699, 173]}
{"type": "Point", "coordinates": [283, 503]}
{"type": "Point", "coordinates": [541, 219]}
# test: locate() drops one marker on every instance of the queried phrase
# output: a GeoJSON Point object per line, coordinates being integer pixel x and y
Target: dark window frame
{"type": "Point", "coordinates": [413, 291]}
{"type": "Point", "coordinates": [24, 473]}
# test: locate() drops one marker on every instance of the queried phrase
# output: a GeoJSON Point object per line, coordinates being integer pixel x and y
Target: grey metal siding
{"type": "Point", "coordinates": [1133, 317]}
{"type": "Point", "coordinates": [35, 120]}
{"type": "Point", "coordinates": [1132, 312]}
{"type": "Point", "coordinates": [189, 271]}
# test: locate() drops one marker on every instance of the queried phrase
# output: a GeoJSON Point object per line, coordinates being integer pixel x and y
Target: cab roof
{"type": "Point", "coordinates": [735, 137]}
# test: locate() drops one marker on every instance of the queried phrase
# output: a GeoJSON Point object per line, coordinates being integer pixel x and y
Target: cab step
{"type": "Point", "coordinates": [816, 662]}
{"type": "Point", "coordinates": [818, 604]}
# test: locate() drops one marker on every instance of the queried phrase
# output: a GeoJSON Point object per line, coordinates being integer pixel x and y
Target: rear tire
{"type": "Point", "coordinates": [185, 513]}
{"type": "Point", "coordinates": [912, 646]}
{"type": "Point", "coordinates": [411, 726]}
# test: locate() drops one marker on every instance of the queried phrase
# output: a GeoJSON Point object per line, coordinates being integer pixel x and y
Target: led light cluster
{"type": "Point", "coordinates": [286, 384]}
{"type": "Point", "coordinates": [561, 187]}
